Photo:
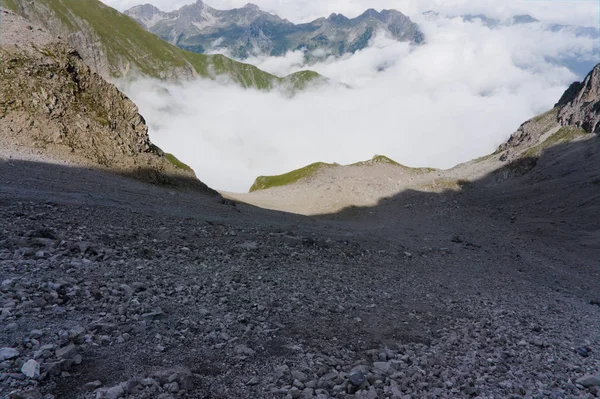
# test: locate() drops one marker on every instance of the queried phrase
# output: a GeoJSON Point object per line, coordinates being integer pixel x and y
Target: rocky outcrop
{"type": "Point", "coordinates": [51, 101]}
{"type": "Point", "coordinates": [580, 105]}
{"type": "Point", "coordinates": [528, 135]}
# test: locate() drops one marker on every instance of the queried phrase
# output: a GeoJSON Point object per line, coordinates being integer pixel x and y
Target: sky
{"type": "Point", "coordinates": [454, 99]}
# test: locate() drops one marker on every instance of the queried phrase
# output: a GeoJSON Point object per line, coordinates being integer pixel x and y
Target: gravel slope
{"type": "Point", "coordinates": [144, 292]}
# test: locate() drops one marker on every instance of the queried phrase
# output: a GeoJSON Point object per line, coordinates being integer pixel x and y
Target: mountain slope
{"type": "Point", "coordinates": [249, 30]}
{"type": "Point", "coordinates": [53, 105]}
{"type": "Point", "coordinates": [114, 45]}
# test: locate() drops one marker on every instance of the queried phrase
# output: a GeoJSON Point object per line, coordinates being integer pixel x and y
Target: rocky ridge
{"type": "Point", "coordinates": [51, 102]}
{"type": "Point", "coordinates": [247, 31]}
{"type": "Point", "coordinates": [580, 105]}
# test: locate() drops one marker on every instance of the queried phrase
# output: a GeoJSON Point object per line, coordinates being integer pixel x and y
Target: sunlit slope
{"type": "Point", "coordinates": [295, 176]}
{"type": "Point", "coordinates": [116, 46]}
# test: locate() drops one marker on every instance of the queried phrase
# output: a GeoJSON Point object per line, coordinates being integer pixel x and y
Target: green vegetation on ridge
{"type": "Point", "coordinates": [265, 182]}
{"type": "Point", "coordinates": [564, 134]}
{"type": "Point", "coordinates": [177, 163]}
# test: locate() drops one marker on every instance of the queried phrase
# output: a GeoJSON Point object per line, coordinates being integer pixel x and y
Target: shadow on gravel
{"type": "Point", "coordinates": [142, 174]}
{"type": "Point", "coordinates": [320, 291]}
{"type": "Point", "coordinates": [560, 186]}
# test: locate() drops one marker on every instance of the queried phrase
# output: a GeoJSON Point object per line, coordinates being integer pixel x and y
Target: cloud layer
{"type": "Point", "coordinates": [452, 100]}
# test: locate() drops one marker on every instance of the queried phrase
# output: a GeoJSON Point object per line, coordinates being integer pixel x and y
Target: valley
{"type": "Point", "coordinates": [123, 275]}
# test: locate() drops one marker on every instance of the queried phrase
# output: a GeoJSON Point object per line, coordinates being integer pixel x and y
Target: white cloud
{"type": "Point", "coordinates": [449, 101]}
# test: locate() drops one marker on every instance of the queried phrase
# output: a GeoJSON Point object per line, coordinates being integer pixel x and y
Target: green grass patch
{"type": "Point", "coordinates": [10, 4]}
{"type": "Point", "coordinates": [265, 182]}
{"type": "Point", "coordinates": [564, 134]}
{"type": "Point", "coordinates": [177, 163]}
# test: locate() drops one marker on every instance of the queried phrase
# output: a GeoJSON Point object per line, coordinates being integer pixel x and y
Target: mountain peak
{"type": "Point", "coordinates": [252, 6]}
{"type": "Point", "coordinates": [523, 19]}
{"type": "Point", "coordinates": [580, 104]}
{"type": "Point", "coordinates": [371, 13]}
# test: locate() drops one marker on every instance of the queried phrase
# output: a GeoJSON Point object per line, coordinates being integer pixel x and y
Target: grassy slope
{"type": "Point", "coordinates": [177, 163]}
{"type": "Point", "coordinates": [564, 134]}
{"type": "Point", "coordinates": [125, 41]}
{"type": "Point", "coordinates": [264, 182]}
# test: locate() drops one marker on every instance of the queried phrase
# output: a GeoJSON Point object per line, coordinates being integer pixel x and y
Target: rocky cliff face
{"type": "Point", "coordinates": [249, 30]}
{"type": "Point", "coordinates": [580, 105]}
{"type": "Point", "coordinates": [51, 101]}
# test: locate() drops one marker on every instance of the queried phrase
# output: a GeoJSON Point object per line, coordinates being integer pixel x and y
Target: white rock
{"type": "Point", "coordinates": [31, 369]}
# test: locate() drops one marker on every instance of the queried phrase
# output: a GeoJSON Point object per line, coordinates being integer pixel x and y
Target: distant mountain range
{"type": "Point", "coordinates": [242, 32]}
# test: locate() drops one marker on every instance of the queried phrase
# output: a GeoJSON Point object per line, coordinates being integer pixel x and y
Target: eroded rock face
{"type": "Point", "coordinates": [580, 105]}
{"type": "Point", "coordinates": [51, 101]}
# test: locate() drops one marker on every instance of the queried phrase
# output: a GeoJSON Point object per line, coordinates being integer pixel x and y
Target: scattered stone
{"type": "Point", "coordinates": [30, 394]}
{"type": "Point", "coordinates": [253, 381]}
{"type": "Point", "coordinates": [299, 375]}
{"type": "Point", "coordinates": [92, 385]}
{"type": "Point", "coordinates": [357, 378]}
{"type": "Point", "coordinates": [31, 369]}
{"type": "Point", "coordinates": [114, 393]}
{"type": "Point", "coordinates": [384, 367]}
{"type": "Point", "coordinates": [588, 381]}
{"type": "Point", "coordinates": [244, 350]}
{"type": "Point", "coordinates": [584, 351]}
{"type": "Point", "coordinates": [36, 334]}
{"type": "Point", "coordinates": [8, 354]}
{"type": "Point", "coordinates": [66, 352]}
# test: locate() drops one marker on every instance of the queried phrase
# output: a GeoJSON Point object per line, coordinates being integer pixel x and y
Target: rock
{"type": "Point", "coordinates": [356, 378]}
{"type": "Point", "coordinates": [114, 393]}
{"type": "Point", "coordinates": [248, 245]}
{"type": "Point", "coordinates": [92, 385]}
{"type": "Point", "coordinates": [66, 352]}
{"type": "Point", "coordinates": [172, 387]}
{"type": "Point", "coordinates": [588, 381]}
{"type": "Point", "coordinates": [35, 334]}
{"type": "Point", "coordinates": [8, 354]}
{"type": "Point", "coordinates": [253, 381]}
{"type": "Point", "coordinates": [579, 104]}
{"type": "Point", "coordinates": [31, 369]}
{"type": "Point", "coordinates": [583, 351]}
{"type": "Point", "coordinates": [155, 314]}
{"type": "Point", "coordinates": [30, 394]}
{"type": "Point", "coordinates": [244, 350]}
{"type": "Point", "coordinates": [295, 392]}
{"type": "Point", "coordinates": [298, 375]}
{"type": "Point", "coordinates": [383, 367]}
